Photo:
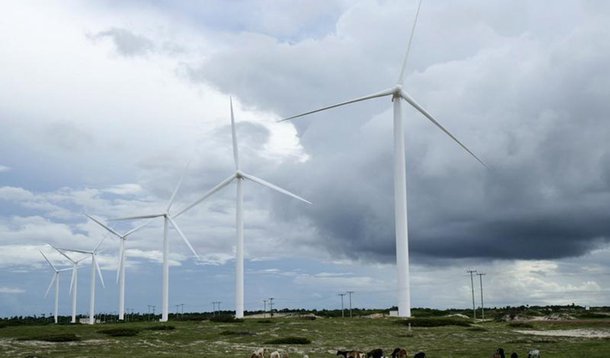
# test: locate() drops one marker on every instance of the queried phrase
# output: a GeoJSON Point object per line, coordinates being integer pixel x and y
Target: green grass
{"type": "Point", "coordinates": [327, 335]}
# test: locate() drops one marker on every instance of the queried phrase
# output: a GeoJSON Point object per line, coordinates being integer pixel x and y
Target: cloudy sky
{"type": "Point", "coordinates": [103, 104]}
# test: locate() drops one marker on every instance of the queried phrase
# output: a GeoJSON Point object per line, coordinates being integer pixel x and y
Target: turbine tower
{"type": "Point", "coordinates": [94, 267]}
{"type": "Point", "coordinates": [73, 280]}
{"type": "Point", "coordinates": [397, 94]}
{"type": "Point", "coordinates": [122, 258]}
{"type": "Point", "coordinates": [54, 280]}
{"type": "Point", "coordinates": [168, 218]}
{"type": "Point", "coordinates": [239, 176]}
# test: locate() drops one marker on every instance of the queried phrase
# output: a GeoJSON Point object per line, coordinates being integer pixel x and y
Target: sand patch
{"type": "Point", "coordinates": [583, 333]}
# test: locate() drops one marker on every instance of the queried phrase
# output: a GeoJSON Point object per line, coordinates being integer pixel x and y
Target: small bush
{"type": "Point", "coordinates": [160, 328]}
{"type": "Point", "coordinates": [63, 337]}
{"type": "Point", "coordinates": [435, 322]}
{"type": "Point", "coordinates": [225, 318]}
{"type": "Point", "coordinates": [119, 332]}
{"type": "Point", "coordinates": [477, 329]}
{"type": "Point", "coordinates": [265, 321]}
{"type": "Point", "coordinates": [521, 325]}
{"type": "Point", "coordinates": [236, 333]}
{"type": "Point", "coordinates": [289, 340]}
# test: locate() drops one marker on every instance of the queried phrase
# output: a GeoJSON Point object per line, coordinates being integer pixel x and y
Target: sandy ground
{"type": "Point", "coordinates": [586, 333]}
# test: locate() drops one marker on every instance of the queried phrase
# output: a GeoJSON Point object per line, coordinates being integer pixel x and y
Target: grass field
{"type": "Point", "coordinates": [218, 339]}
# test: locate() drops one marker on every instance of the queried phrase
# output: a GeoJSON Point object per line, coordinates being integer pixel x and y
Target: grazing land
{"type": "Point", "coordinates": [319, 337]}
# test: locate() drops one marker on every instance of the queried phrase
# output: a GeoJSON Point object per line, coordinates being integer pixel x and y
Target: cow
{"type": "Point", "coordinates": [420, 355]}
{"type": "Point", "coordinates": [514, 355]}
{"type": "Point", "coordinates": [259, 353]}
{"type": "Point", "coordinates": [375, 353]}
{"type": "Point", "coordinates": [499, 353]}
{"type": "Point", "coordinates": [399, 353]}
{"type": "Point", "coordinates": [534, 353]}
{"type": "Point", "coordinates": [277, 354]}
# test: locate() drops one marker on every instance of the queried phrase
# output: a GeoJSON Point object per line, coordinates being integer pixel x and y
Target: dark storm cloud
{"type": "Point", "coordinates": [533, 107]}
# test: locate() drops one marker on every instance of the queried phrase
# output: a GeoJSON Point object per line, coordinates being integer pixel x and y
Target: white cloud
{"type": "Point", "coordinates": [4, 168]}
{"type": "Point", "coordinates": [11, 290]}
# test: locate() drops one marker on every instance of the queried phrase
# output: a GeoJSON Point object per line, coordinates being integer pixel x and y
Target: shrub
{"type": "Point", "coordinates": [435, 322]}
{"type": "Point", "coordinates": [521, 325]}
{"type": "Point", "coordinates": [160, 328]}
{"type": "Point", "coordinates": [119, 332]}
{"type": "Point", "coordinates": [236, 333]}
{"type": "Point", "coordinates": [225, 318]}
{"type": "Point", "coordinates": [265, 321]}
{"type": "Point", "coordinates": [289, 340]}
{"type": "Point", "coordinates": [62, 337]}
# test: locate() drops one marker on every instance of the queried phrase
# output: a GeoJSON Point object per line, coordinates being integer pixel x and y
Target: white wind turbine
{"type": "Point", "coordinates": [54, 280]}
{"type": "Point", "coordinates": [122, 259]}
{"type": "Point", "coordinates": [167, 218]}
{"type": "Point", "coordinates": [239, 176]}
{"type": "Point", "coordinates": [73, 280]}
{"type": "Point", "coordinates": [400, 183]}
{"type": "Point", "coordinates": [94, 267]}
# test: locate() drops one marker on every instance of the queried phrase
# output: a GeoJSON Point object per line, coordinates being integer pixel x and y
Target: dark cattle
{"type": "Point", "coordinates": [399, 353]}
{"type": "Point", "coordinates": [375, 353]}
{"type": "Point", "coordinates": [499, 353]}
{"type": "Point", "coordinates": [514, 355]}
{"type": "Point", "coordinates": [420, 355]}
{"type": "Point", "coordinates": [342, 353]}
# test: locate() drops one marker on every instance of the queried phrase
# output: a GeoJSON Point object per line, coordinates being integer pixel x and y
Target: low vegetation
{"type": "Point", "coordinates": [439, 335]}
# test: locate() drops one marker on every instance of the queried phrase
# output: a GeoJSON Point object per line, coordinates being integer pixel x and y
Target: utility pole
{"type": "Point", "coordinates": [271, 305]}
{"type": "Point", "coordinates": [342, 312]}
{"type": "Point", "coordinates": [474, 312]}
{"type": "Point", "coordinates": [264, 308]}
{"type": "Point", "coordinates": [481, 282]}
{"type": "Point", "coordinates": [350, 303]}
{"type": "Point", "coordinates": [216, 303]}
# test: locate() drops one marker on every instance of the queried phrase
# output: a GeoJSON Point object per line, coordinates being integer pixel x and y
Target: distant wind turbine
{"type": "Point", "coordinates": [400, 182]}
{"type": "Point", "coordinates": [73, 280]}
{"type": "Point", "coordinates": [94, 267]}
{"type": "Point", "coordinates": [239, 176]}
{"type": "Point", "coordinates": [54, 280]}
{"type": "Point", "coordinates": [167, 218]}
{"type": "Point", "coordinates": [122, 258]}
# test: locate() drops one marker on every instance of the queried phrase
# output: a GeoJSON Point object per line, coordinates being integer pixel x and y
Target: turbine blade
{"type": "Point", "coordinates": [219, 186]}
{"type": "Point", "coordinates": [51, 284]}
{"type": "Point", "coordinates": [61, 251]}
{"type": "Point", "coordinates": [404, 62]}
{"type": "Point", "coordinates": [234, 137]}
{"type": "Point", "coordinates": [98, 245]}
{"type": "Point", "coordinates": [45, 257]}
{"type": "Point", "coordinates": [72, 279]}
{"type": "Point", "coordinates": [374, 95]}
{"type": "Point", "coordinates": [136, 229]}
{"type": "Point", "coordinates": [182, 236]}
{"type": "Point", "coordinates": [429, 116]}
{"type": "Point", "coordinates": [137, 217]}
{"type": "Point", "coordinates": [104, 225]}
{"type": "Point", "coordinates": [173, 197]}
{"type": "Point", "coordinates": [274, 187]}
{"type": "Point", "coordinates": [99, 271]}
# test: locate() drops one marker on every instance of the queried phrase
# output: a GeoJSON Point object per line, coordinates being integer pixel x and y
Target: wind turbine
{"type": "Point", "coordinates": [73, 280]}
{"type": "Point", "coordinates": [398, 94]}
{"type": "Point", "coordinates": [54, 280]}
{"type": "Point", "coordinates": [239, 176]}
{"type": "Point", "coordinates": [94, 267]}
{"type": "Point", "coordinates": [167, 218]}
{"type": "Point", "coordinates": [122, 257]}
